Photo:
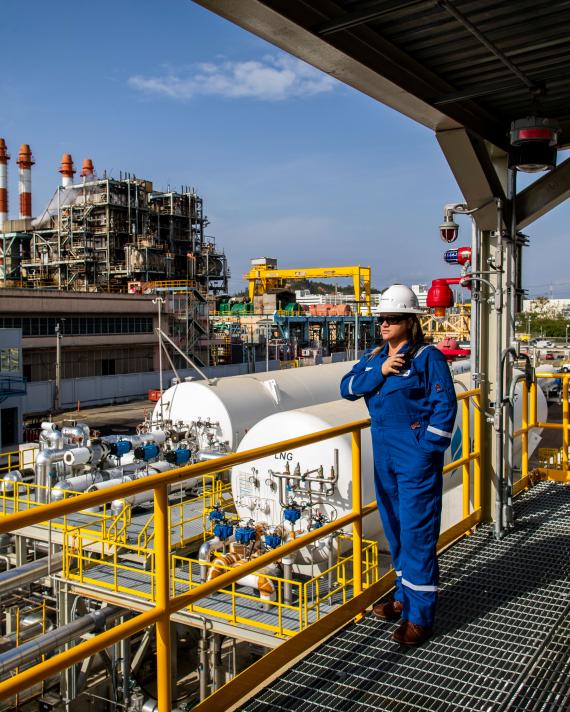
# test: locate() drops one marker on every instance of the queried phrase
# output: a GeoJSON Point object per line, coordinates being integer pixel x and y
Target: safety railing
{"type": "Point", "coordinates": [17, 459]}
{"type": "Point", "coordinates": [294, 604]}
{"type": "Point", "coordinates": [21, 496]}
{"type": "Point", "coordinates": [529, 421]}
{"type": "Point", "coordinates": [38, 612]}
{"type": "Point", "coordinates": [165, 604]}
{"type": "Point", "coordinates": [186, 514]}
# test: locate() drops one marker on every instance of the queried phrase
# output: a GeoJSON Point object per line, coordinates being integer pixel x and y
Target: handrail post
{"type": "Point", "coordinates": [162, 595]}
{"type": "Point", "coordinates": [525, 428]}
{"type": "Point", "coordinates": [357, 509]}
{"type": "Point", "coordinates": [533, 404]}
{"type": "Point", "coordinates": [477, 427]}
{"type": "Point", "coordinates": [565, 414]}
{"type": "Point", "coordinates": [465, 447]}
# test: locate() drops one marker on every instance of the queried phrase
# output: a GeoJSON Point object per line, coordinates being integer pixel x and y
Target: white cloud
{"type": "Point", "coordinates": [274, 78]}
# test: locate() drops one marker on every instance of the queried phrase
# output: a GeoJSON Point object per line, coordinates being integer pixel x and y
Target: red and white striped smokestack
{"type": "Point", "coordinates": [88, 170]}
{"type": "Point", "coordinates": [66, 170]}
{"type": "Point", "coordinates": [4, 158]}
{"type": "Point", "coordinates": [25, 163]}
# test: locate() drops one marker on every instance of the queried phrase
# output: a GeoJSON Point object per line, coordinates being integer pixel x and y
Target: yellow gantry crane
{"type": "Point", "coordinates": [263, 278]}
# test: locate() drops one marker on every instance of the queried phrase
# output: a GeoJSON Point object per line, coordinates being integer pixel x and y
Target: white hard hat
{"type": "Point", "coordinates": [399, 299]}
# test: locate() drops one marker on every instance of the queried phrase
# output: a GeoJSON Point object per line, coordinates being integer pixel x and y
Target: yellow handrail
{"type": "Point", "coordinates": [166, 605]}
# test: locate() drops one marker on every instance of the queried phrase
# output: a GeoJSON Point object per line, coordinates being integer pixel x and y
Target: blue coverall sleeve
{"type": "Point", "coordinates": [364, 378]}
{"type": "Point", "coordinates": [441, 396]}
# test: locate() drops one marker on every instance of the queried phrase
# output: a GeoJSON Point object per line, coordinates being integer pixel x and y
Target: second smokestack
{"type": "Point", "coordinates": [66, 170]}
{"type": "Point", "coordinates": [25, 163]}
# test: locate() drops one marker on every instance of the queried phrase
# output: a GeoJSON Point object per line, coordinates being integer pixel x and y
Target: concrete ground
{"type": "Point", "coordinates": [108, 419]}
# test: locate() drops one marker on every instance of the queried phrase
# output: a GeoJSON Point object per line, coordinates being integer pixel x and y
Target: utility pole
{"type": "Point", "coordinates": [57, 392]}
{"type": "Point", "coordinates": [160, 301]}
{"type": "Point", "coordinates": [356, 328]}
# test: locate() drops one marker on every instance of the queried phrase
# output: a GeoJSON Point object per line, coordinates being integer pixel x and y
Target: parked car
{"type": "Point", "coordinates": [549, 356]}
{"type": "Point", "coordinates": [565, 367]}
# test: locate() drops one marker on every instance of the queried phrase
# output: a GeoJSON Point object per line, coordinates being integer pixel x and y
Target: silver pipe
{"type": "Point", "coordinates": [43, 467]}
{"type": "Point", "coordinates": [28, 573]}
{"type": "Point", "coordinates": [287, 562]}
{"type": "Point", "coordinates": [475, 308]}
{"type": "Point", "coordinates": [69, 431]}
{"type": "Point", "coordinates": [126, 668]}
{"type": "Point", "coordinates": [217, 666]}
{"type": "Point", "coordinates": [203, 662]}
{"type": "Point", "coordinates": [498, 416]}
{"type": "Point", "coordinates": [33, 649]}
{"type": "Point", "coordinates": [511, 310]}
{"type": "Point", "coordinates": [8, 642]}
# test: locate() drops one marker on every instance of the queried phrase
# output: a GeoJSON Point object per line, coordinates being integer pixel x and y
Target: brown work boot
{"type": "Point", "coordinates": [390, 611]}
{"type": "Point", "coordinates": [411, 634]}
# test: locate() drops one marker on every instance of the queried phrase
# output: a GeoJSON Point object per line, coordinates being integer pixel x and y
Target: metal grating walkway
{"type": "Point", "coordinates": [502, 635]}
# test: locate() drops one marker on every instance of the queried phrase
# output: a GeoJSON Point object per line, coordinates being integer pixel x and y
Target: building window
{"type": "Point", "coordinates": [9, 360]}
{"type": "Point", "coordinates": [79, 326]}
{"type": "Point", "coordinates": [108, 367]}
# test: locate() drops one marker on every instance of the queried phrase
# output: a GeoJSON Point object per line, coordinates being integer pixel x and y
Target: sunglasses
{"type": "Point", "coordinates": [391, 320]}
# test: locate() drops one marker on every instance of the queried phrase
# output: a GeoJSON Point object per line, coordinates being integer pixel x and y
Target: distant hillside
{"type": "Point", "coordinates": [316, 287]}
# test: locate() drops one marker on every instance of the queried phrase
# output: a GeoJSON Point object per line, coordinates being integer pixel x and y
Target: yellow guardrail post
{"type": "Point", "coordinates": [465, 447]}
{"type": "Point", "coordinates": [525, 428]}
{"type": "Point", "coordinates": [161, 562]}
{"type": "Point", "coordinates": [357, 510]}
{"type": "Point", "coordinates": [533, 405]}
{"type": "Point", "coordinates": [477, 428]}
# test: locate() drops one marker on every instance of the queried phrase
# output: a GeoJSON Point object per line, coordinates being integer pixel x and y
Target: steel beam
{"type": "Point", "coordinates": [543, 195]}
{"type": "Point", "coordinates": [480, 171]}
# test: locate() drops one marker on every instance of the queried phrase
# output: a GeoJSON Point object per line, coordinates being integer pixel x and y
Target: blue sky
{"type": "Point", "coordinates": [291, 164]}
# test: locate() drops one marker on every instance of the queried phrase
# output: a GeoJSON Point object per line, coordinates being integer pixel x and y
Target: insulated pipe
{"type": "Point", "coordinates": [78, 456]}
{"type": "Point", "coordinates": [75, 431]}
{"type": "Point", "coordinates": [7, 642]}
{"type": "Point", "coordinates": [28, 573]}
{"type": "Point", "coordinates": [67, 171]}
{"type": "Point", "coordinates": [4, 158]}
{"type": "Point", "coordinates": [25, 163]}
{"type": "Point", "coordinates": [134, 500]}
{"type": "Point", "coordinates": [205, 553]}
{"type": "Point", "coordinates": [75, 484]}
{"type": "Point", "coordinates": [44, 462]}
{"type": "Point", "coordinates": [47, 643]}
{"type": "Point", "coordinates": [84, 455]}
{"type": "Point", "coordinates": [8, 483]}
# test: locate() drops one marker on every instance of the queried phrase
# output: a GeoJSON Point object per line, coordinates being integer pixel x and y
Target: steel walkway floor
{"type": "Point", "coordinates": [502, 639]}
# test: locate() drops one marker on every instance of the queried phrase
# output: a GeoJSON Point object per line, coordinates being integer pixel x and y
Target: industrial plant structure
{"type": "Point", "coordinates": [100, 233]}
{"type": "Point", "coordinates": [97, 235]}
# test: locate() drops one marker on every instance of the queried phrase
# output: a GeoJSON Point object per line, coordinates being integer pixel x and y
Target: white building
{"type": "Point", "coordinates": [304, 296]}
{"type": "Point", "coordinates": [12, 388]}
{"type": "Point", "coordinates": [420, 290]}
{"type": "Point", "coordinates": [548, 307]}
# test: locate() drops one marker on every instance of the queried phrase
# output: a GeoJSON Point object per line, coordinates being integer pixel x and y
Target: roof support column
{"type": "Point", "coordinates": [481, 173]}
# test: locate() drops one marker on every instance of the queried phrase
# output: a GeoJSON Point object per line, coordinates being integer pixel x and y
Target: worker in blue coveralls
{"type": "Point", "coordinates": [409, 392]}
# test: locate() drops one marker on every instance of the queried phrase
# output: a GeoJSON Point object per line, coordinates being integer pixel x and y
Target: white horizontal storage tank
{"type": "Point", "coordinates": [259, 487]}
{"type": "Point", "coordinates": [236, 403]}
